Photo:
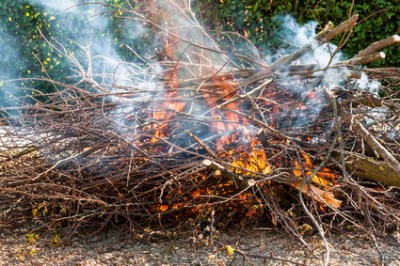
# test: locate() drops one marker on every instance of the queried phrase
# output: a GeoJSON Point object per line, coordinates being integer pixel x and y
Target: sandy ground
{"type": "Point", "coordinates": [255, 247]}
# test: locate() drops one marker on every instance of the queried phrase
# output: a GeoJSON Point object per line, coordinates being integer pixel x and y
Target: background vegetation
{"type": "Point", "coordinates": [259, 20]}
{"type": "Point", "coordinates": [26, 54]}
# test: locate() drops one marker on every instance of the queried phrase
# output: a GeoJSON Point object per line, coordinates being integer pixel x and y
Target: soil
{"type": "Point", "coordinates": [260, 246]}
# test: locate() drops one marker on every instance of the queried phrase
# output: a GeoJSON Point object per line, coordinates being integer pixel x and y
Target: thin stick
{"type": "Point", "coordinates": [371, 140]}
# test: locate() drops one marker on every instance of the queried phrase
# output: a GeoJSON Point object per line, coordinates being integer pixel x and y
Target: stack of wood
{"type": "Point", "coordinates": [226, 137]}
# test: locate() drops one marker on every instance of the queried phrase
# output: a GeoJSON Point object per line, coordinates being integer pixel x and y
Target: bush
{"type": "Point", "coordinates": [26, 54]}
{"type": "Point", "coordinates": [258, 20]}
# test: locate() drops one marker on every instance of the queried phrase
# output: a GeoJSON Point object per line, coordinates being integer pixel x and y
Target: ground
{"type": "Point", "coordinates": [259, 246]}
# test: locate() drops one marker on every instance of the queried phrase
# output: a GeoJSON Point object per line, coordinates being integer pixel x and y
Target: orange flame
{"type": "Point", "coordinates": [241, 148]}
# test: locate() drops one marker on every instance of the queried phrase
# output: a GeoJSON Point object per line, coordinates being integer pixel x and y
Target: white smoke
{"type": "Point", "coordinates": [9, 90]}
{"type": "Point", "coordinates": [372, 86]}
{"type": "Point", "coordinates": [296, 35]}
{"type": "Point", "coordinates": [86, 29]}
{"type": "Point", "coordinates": [111, 70]}
{"type": "Point", "coordinates": [293, 37]}
{"type": "Point", "coordinates": [57, 5]}
{"type": "Point", "coordinates": [85, 33]}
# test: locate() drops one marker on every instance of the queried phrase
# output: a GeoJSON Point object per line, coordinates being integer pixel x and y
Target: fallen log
{"type": "Point", "coordinates": [372, 169]}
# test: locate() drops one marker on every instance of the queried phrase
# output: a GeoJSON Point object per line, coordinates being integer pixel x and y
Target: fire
{"type": "Point", "coordinates": [324, 178]}
{"type": "Point", "coordinates": [236, 145]}
{"type": "Point", "coordinates": [253, 160]}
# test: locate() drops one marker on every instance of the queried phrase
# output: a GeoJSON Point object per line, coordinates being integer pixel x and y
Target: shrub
{"type": "Point", "coordinates": [258, 20]}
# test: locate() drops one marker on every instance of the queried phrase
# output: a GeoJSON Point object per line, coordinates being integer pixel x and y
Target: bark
{"type": "Point", "coordinates": [372, 169]}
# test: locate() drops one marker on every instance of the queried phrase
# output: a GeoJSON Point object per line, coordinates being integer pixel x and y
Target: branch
{"type": "Point", "coordinates": [241, 181]}
{"type": "Point", "coordinates": [365, 59]}
{"type": "Point", "coordinates": [345, 26]}
{"type": "Point", "coordinates": [371, 141]}
{"type": "Point", "coordinates": [378, 46]}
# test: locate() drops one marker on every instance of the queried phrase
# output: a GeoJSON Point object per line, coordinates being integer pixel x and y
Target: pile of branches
{"type": "Point", "coordinates": [199, 137]}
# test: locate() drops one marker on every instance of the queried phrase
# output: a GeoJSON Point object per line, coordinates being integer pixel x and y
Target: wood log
{"type": "Point", "coordinates": [372, 169]}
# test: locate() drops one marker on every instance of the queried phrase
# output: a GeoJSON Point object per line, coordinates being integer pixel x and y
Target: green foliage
{"type": "Point", "coordinates": [27, 27]}
{"type": "Point", "coordinates": [25, 53]}
{"type": "Point", "coordinates": [257, 20]}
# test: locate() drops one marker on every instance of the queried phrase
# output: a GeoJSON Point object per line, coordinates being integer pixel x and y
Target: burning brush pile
{"type": "Point", "coordinates": [209, 133]}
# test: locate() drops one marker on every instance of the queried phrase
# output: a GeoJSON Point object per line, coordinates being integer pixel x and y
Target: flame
{"type": "Point", "coordinates": [250, 162]}
{"type": "Point", "coordinates": [196, 194]}
{"type": "Point", "coordinates": [162, 208]}
{"type": "Point", "coordinates": [324, 178]}
{"type": "Point", "coordinates": [239, 147]}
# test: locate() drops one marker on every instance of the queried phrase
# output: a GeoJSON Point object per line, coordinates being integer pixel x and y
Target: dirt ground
{"type": "Point", "coordinates": [256, 247]}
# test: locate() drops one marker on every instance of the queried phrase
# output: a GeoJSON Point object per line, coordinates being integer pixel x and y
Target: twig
{"type": "Point", "coordinates": [371, 140]}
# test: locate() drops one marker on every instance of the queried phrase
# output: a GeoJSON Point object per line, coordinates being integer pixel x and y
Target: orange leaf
{"type": "Point", "coordinates": [297, 172]}
{"type": "Point", "coordinates": [196, 194]}
{"type": "Point", "coordinates": [251, 213]}
{"type": "Point", "coordinates": [163, 208]}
